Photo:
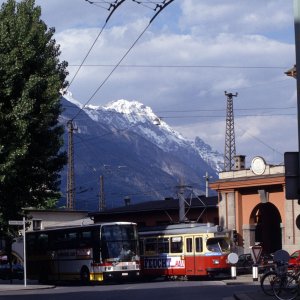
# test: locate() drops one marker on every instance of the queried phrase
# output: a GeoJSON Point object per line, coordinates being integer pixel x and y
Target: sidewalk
{"type": "Point", "coordinates": [247, 279]}
{"type": "Point", "coordinates": [17, 285]}
{"type": "Point", "coordinates": [6, 285]}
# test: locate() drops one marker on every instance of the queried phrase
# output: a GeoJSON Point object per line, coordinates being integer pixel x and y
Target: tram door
{"type": "Point", "coordinates": [194, 264]}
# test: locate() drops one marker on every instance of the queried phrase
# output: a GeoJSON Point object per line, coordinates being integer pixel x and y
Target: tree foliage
{"type": "Point", "coordinates": [31, 77]}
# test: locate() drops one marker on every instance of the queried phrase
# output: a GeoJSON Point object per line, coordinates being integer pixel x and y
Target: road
{"type": "Point", "coordinates": [166, 290]}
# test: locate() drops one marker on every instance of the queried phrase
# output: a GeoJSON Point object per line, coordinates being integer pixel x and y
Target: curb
{"type": "Point", "coordinates": [13, 287]}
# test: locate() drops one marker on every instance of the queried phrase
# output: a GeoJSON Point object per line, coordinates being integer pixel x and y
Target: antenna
{"type": "Point", "coordinates": [230, 150]}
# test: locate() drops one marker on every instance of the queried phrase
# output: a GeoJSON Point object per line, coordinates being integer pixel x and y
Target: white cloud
{"type": "Point", "coordinates": [212, 17]}
{"type": "Point", "coordinates": [204, 36]}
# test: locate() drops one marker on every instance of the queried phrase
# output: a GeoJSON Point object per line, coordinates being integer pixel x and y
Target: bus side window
{"type": "Point", "coordinates": [42, 243]}
{"type": "Point", "coordinates": [189, 245]}
{"type": "Point", "coordinates": [72, 240]}
{"type": "Point", "coordinates": [199, 244]}
{"type": "Point", "coordinates": [85, 238]}
{"type": "Point", "coordinates": [176, 244]}
{"type": "Point", "coordinates": [30, 244]}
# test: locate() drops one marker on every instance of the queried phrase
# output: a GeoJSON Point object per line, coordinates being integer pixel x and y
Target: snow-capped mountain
{"type": "Point", "coordinates": [137, 154]}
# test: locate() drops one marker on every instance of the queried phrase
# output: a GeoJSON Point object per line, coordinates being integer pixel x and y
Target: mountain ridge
{"type": "Point", "coordinates": [155, 159]}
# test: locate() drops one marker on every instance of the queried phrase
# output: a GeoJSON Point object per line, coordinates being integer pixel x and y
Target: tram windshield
{"type": "Point", "coordinates": [218, 244]}
{"type": "Point", "coordinates": [119, 243]}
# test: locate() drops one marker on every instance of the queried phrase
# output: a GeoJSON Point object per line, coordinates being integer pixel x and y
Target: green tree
{"type": "Point", "coordinates": [31, 77]}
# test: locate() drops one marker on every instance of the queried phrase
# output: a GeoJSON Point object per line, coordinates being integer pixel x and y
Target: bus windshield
{"type": "Point", "coordinates": [218, 245]}
{"type": "Point", "coordinates": [119, 243]}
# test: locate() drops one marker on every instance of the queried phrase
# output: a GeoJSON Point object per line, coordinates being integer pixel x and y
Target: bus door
{"type": "Point", "coordinates": [194, 255]}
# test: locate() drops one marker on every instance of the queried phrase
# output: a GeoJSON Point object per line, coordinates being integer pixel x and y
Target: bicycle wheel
{"type": "Point", "coordinates": [285, 287]}
{"type": "Point", "coordinates": [266, 282]}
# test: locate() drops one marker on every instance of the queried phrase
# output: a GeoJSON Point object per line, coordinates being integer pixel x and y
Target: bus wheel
{"type": "Point", "coordinates": [85, 275]}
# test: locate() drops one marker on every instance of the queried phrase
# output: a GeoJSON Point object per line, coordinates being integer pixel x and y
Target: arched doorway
{"type": "Point", "coordinates": [267, 220]}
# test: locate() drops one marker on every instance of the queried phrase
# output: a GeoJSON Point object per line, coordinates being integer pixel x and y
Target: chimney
{"type": "Point", "coordinates": [239, 162]}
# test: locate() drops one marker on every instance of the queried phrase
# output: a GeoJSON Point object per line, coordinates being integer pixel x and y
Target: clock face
{"type": "Point", "coordinates": [258, 165]}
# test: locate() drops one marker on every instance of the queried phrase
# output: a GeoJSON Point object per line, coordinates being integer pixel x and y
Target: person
{"type": "Point", "coordinates": [125, 252]}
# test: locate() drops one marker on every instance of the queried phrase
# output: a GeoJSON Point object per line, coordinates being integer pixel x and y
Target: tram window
{"type": "Point", "coordinates": [199, 244]}
{"type": "Point", "coordinates": [217, 244]}
{"type": "Point", "coordinates": [150, 246]}
{"type": "Point", "coordinates": [163, 245]}
{"type": "Point", "coordinates": [176, 244]}
{"type": "Point", "coordinates": [141, 246]}
{"type": "Point", "coordinates": [189, 245]}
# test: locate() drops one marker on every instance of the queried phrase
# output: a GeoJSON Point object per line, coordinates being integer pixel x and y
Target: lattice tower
{"type": "Point", "coordinates": [230, 150]}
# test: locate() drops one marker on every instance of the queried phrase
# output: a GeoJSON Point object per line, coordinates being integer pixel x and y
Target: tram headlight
{"type": "Point", "coordinates": [215, 261]}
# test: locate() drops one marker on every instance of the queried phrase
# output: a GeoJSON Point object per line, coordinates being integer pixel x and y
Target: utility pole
{"type": "Point", "coordinates": [181, 199]}
{"type": "Point", "coordinates": [70, 178]}
{"type": "Point", "coordinates": [101, 194]}
{"type": "Point", "coordinates": [297, 52]}
{"type": "Point", "coordinates": [207, 177]}
{"type": "Point", "coordinates": [230, 150]}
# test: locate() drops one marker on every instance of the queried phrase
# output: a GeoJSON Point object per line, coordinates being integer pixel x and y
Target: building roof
{"type": "Point", "coordinates": [160, 205]}
{"type": "Point", "coordinates": [55, 210]}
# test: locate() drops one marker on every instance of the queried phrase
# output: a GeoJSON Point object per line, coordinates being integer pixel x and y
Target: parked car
{"type": "Point", "coordinates": [295, 258]}
{"type": "Point", "coordinates": [17, 271]}
{"type": "Point", "coordinates": [245, 263]}
{"type": "Point", "coordinates": [266, 262]}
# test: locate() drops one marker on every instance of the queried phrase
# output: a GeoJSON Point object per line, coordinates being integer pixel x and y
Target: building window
{"type": "Point", "coordinates": [37, 224]}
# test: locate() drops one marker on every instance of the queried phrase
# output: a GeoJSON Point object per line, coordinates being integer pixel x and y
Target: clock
{"type": "Point", "coordinates": [258, 165]}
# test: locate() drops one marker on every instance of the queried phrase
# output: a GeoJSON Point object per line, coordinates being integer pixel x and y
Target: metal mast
{"type": "Point", "coordinates": [101, 195]}
{"type": "Point", "coordinates": [70, 178]}
{"type": "Point", "coordinates": [230, 151]}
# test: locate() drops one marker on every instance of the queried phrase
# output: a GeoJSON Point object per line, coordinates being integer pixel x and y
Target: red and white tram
{"type": "Point", "coordinates": [191, 249]}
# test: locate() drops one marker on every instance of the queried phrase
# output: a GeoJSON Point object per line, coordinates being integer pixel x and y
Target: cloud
{"type": "Point", "coordinates": [246, 17]}
{"type": "Point", "coordinates": [192, 52]}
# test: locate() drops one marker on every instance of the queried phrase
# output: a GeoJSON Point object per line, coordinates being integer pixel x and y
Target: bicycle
{"type": "Point", "coordinates": [281, 268]}
{"type": "Point", "coordinates": [286, 286]}
{"type": "Point", "coordinates": [267, 279]}
{"type": "Point", "coordinates": [282, 282]}
{"type": "Point", "coordinates": [266, 282]}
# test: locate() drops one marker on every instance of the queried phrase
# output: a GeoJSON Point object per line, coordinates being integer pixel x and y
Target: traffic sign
{"type": "Point", "coordinates": [15, 222]}
{"type": "Point", "coordinates": [256, 253]}
{"type": "Point", "coordinates": [233, 258]}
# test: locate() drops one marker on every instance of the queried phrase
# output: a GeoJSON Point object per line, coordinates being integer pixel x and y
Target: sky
{"type": "Point", "coordinates": [182, 62]}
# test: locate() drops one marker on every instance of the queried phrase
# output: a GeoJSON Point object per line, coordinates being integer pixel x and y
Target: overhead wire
{"type": "Point", "coordinates": [164, 4]}
{"type": "Point", "coordinates": [183, 66]}
{"type": "Point", "coordinates": [114, 5]}
{"type": "Point", "coordinates": [259, 140]}
{"type": "Point", "coordinates": [123, 57]}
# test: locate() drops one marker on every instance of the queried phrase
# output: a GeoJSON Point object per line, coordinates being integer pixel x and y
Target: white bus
{"type": "Point", "coordinates": [94, 252]}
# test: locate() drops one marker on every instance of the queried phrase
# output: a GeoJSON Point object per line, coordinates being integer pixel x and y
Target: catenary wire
{"type": "Point", "coordinates": [114, 6]}
{"type": "Point", "coordinates": [183, 66]}
{"type": "Point", "coordinates": [123, 57]}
